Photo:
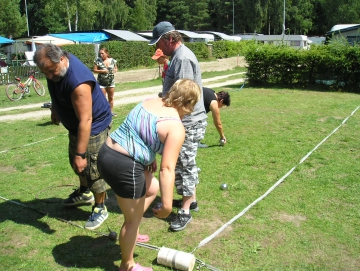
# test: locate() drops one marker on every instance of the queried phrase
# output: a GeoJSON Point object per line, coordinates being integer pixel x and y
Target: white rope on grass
{"type": "Point", "coordinates": [29, 144]}
{"type": "Point", "coordinates": [212, 236]}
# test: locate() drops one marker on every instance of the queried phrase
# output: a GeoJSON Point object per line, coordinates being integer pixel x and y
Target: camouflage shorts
{"type": "Point", "coordinates": [90, 176]}
{"type": "Point", "coordinates": [186, 173]}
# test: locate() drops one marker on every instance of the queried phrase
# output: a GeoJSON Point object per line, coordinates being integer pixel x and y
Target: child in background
{"type": "Point", "coordinates": [161, 60]}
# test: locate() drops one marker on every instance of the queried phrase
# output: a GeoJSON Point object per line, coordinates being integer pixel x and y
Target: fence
{"type": "Point", "coordinates": [8, 74]}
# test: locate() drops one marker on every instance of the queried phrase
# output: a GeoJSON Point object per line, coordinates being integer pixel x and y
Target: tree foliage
{"type": "Point", "coordinates": [142, 15]}
{"type": "Point", "coordinates": [309, 17]}
{"type": "Point", "coordinates": [12, 22]}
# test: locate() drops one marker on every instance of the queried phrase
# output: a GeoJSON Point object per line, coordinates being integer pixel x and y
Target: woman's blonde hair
{"type": "Point", "coordinates": [183, 95]}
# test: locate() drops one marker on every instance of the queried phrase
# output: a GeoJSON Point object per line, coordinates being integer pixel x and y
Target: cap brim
{"type": "Point", "coordinates": [155, 57]}
{"type": "Point", "coordinates": [154, 41]}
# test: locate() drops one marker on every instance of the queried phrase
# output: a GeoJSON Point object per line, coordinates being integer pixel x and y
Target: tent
{"type": "Point", "coordinates": [47, 39]}
{"type": "Point", "coordinates": [5, 40]}
{"type": "Point", "coordinates": [87, 37]}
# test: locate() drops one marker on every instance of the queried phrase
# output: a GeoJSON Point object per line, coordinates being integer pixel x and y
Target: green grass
{"type": "Point", "coordinates": [308, 222]}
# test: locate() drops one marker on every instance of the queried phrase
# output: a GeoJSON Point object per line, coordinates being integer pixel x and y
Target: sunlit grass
{"type": "Point", "coordinates": [309, 222]}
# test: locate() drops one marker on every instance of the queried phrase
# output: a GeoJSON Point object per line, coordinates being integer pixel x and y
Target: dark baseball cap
{"type": "Point", "coordinates": [160, 29]}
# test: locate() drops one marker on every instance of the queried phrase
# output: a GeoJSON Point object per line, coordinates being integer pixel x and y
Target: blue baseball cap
{"type": "Point", "coordinates": [160, 29]}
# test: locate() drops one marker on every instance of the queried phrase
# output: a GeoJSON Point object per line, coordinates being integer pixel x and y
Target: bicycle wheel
{"type": "Point", "coordinates": [39, 87]}
{"type": "Point", "coordinates": [13, 92]}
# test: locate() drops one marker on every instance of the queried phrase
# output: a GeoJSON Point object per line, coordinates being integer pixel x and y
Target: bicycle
{"type": "Point", "coordinates": [15, 91]}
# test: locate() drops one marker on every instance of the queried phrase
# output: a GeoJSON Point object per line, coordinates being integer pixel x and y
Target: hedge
{"type": "Point", "coordinates": [337, 66]}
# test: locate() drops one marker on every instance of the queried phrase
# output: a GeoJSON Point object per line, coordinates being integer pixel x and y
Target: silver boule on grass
{"type": "Point", "coordinates": [222, 142]}
{"type": "Point", "coordinates": [224, 186]}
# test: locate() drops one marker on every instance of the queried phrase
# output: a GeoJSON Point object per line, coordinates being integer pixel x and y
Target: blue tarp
{"type": "Point", "coordinates": [5, 40]}
{"type": "Point", "coordinates": [91, 37]}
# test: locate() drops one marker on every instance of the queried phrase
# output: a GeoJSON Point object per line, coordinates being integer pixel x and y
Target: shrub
{"type": "Point", "coordinates": [337, 65]}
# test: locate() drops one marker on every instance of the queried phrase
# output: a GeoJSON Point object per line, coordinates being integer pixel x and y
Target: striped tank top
{"type": "Point", "coordinates": [138, 135]}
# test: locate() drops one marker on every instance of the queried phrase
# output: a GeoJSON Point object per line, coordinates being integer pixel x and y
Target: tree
{"type": "Point", "coordinates": [300, 12]}
{"type": "Point", "coordinates": [178, 14]}
{"type": "Point", "coordinates": [274, 18]}
{"type": "Point", "coordinates": [143, 15]}
{"type": "Point", "coordinates": [199, 14]}
{"type": "Point", "coordinates": [12, 23]}
{"type": "Point", "coordinates": [111, 14]}
{"type": "Point", "coordinates": [87, 11]}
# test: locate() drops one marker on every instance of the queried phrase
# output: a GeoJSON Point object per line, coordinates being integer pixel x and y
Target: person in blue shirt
{"type": "Point", "coordinates": [79, 104]}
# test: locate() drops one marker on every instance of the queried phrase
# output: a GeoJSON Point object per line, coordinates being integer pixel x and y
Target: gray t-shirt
{"type": "Point", "coordinates": [184, 65]}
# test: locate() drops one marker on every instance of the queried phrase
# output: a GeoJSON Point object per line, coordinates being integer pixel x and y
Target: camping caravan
{"type": "Point", "coordinates": [349, 33]}
{"type": "Point", "coordinates": [189, 36]}
{"type": "Point", "coordinates": [247, 36]}
{"type": "Point", "coordinates": [295, 41]}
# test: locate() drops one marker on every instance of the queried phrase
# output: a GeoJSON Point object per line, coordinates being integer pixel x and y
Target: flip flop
{"type": "Point", "coordinates": [142, 238]}
{"type": "Point", "coordinates": [138, 267]}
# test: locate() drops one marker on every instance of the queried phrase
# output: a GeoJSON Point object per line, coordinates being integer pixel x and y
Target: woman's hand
{"type": "Point", "coordinates": [153, 167]}
{"type": "Point", "coordinates": [161, 212]}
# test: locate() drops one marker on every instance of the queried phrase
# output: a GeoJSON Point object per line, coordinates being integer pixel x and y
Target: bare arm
{"type": "Point", "coordinates": [97, 70]}
{"type": "Point", "coordinates": [54, 116]}
{"type": "Point", "coordinates": [82, 102]}
{"type": "Point", "coordinates": [215, 110]}
{"type": "Point", "coordinates": [173, 140]}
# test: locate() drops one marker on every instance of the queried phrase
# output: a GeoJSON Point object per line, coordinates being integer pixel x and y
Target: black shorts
{"type": "Point", "coordinates": [122, 173]}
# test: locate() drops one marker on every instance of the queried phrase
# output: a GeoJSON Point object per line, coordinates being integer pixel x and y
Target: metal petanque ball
{"type": "Point", "coordinates": [224, 186]}
{"type": "Point", "coordinates": [112, 235]}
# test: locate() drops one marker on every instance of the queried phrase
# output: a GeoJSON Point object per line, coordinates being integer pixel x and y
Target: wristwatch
{"type": "Point", "coordinates": [82, 155]}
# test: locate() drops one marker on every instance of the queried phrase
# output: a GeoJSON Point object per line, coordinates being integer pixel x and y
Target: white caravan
{"type": "Point", "coordinates": [295, 41]}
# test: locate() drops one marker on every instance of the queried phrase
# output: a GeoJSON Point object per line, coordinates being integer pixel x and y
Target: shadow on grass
{"type": "Point", "coordinates": [48, 123]}
{"type": "Point", "coordinates": [31, 212]}
{"type": "Point", "coordinates": [88, 252]}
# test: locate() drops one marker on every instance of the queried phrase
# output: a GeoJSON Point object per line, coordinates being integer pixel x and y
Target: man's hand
{"type": "Point", "coordinates": [54, 117]}
{"type": "Point", "coordinates": [79, 164]}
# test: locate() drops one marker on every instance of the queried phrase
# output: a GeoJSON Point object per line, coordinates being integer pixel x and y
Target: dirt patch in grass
{"type": "Point", "coordinates": [7, 169]}
{"type": "Point", "coordinates": [295, 219]}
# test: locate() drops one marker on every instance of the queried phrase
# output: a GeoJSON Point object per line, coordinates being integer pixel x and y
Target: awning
{"type": "Point", "coordinates": [89, 37]}
{"type": "Point", "coordinates": [48, 39]}
{"type": "Point", "coordinates": [125, 35]}
{"type": "Point", "coordinates": [5, 40]}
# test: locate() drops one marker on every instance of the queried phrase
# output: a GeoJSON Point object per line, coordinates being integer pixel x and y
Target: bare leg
{"type": "Point", "coordinates": [152, 189]}
{"type": "Point", "coordinates": [103, 91]}
{"type": "Point", "coordinates": [133, 211]}
{"type": "Point", "coordinates": [110, 94]}
{"type": "Point", "coordinates": [187, 200]}
{"type": "Point", "coordinates": [100, 197]}
{"type": "Point", "coordinates": [83, 181]}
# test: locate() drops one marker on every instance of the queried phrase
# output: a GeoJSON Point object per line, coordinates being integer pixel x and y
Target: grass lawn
{"type": "Point", "coordinates": [310, 221]}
